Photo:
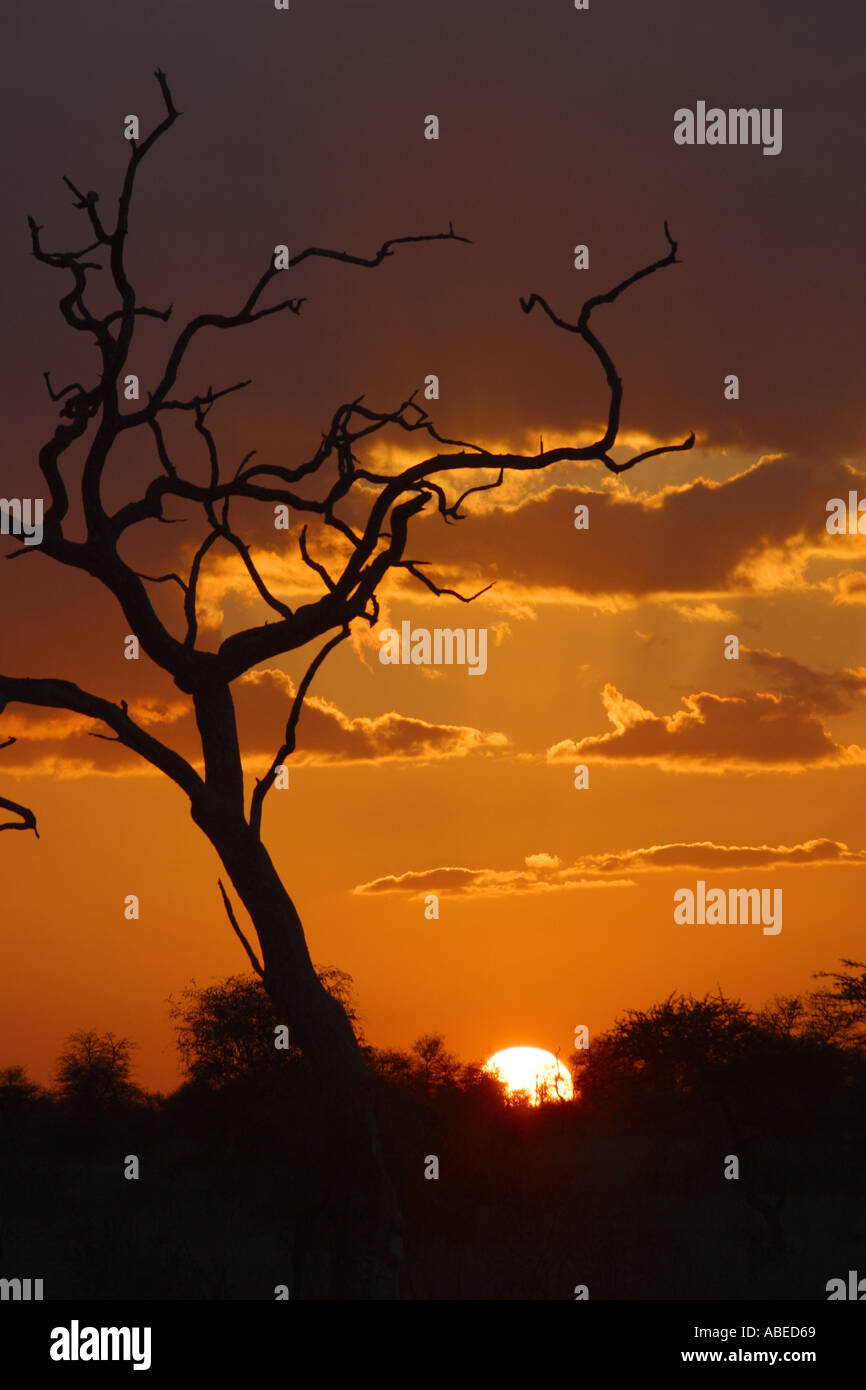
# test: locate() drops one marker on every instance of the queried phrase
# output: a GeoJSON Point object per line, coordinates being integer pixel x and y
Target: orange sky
{"type": "Point", "coordinates": [510, 960]}
{"type": "Point", "coordinates": [605, 646]}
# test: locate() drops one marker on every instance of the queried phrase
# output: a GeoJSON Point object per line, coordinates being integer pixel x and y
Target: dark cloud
{"type": "Point", "coordinates": [63, 745]}
{"type": "Point", "coordinates": [825, 692]}
{"type": "Point", "coordinates": [326, 734]}
{"type": "Point", "coordinates": [702, 538]}
{"type": "Point", "coordinates": [850, 587]}
{"type": "Point", "coordinates": [777, 728]}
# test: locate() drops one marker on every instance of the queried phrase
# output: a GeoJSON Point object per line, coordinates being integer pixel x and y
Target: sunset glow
{"type": "Point", "coordinates": [532, 1072]}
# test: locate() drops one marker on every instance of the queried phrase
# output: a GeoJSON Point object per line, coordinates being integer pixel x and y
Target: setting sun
{"type": "Point", "coordinates": [532, 1072]}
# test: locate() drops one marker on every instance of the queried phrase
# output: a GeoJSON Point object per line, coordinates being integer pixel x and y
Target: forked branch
{"type": "Point", "coordinates": [264, 784]}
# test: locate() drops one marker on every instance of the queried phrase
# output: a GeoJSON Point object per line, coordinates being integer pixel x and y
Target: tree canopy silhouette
{"type": "Point", "coordinates": [95, 1069]}
{"type": "Point", "coordinates": [841, 1008]}
{"type": "Point", "coordinates": [225, 1031]}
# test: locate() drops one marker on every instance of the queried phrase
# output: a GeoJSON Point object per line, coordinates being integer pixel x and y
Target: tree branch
{"type": "Point", "coordinates": [254, 960]}
{"type": "Point", "coordinates": [384, 249]}
{"type": "Point", "coordinates": [614, 382]}
{"type": "Point", "coordinates": [264, 784]}
{"type": "Point", "coordinates": [250, 313]}
{"type": "Point", "coordinates": [411, 566]}
{"type": "Point", "coordinates": [60, 694]}
{"type": "Point", "coordinates": [28, 819]}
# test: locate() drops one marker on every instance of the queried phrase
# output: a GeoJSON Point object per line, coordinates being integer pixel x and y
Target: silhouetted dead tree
{"type": "Point", "coordinates": [332, 481]}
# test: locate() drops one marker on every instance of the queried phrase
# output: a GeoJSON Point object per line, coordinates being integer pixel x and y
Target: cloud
{"type": "Point", "coordinates": [753, 533]}
{"type": "Point", "coordinates": [850, 587]}
{"type": "Point", "coordinates": [708, 612]}
{"type": "Point", "coordinates": [60, 745]}
{"type": "Point", "coordinates": [608, 870]}
{"type": "Point", "coordinates": [542, 861]}
{"type": "Point", "coordinates": [826, 692]}
{"type": "Point", "coordinates": [327, 735]}
{"type": "Point", "coordinates": [704, 854]}
{"type": "Point", "coordinates": [479, 883]}
{"type": "Point", "coordinates": [775, 729]}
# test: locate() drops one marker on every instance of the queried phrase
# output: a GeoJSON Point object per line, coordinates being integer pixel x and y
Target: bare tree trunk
{"type": "Point", "coordinates": [352, 1244]}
